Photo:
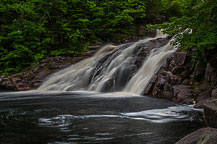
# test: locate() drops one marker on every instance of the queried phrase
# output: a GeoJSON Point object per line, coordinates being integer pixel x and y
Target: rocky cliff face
{"type": "Point", "coordinates": [184, 80]}
{"type": "Point", "coordinates": [187, 81]}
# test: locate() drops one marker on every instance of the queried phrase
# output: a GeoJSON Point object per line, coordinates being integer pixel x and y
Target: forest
{"type": "Point", "coordinates": [33, 30]}
{"type": "Point", "coordinates": [108, 71]}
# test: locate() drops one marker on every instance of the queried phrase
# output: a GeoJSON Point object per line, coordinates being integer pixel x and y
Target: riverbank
{"type": "Point", "coordinates": [32, 78]}
{"type": "Point", "coordinates": [187, 81]}
{"type": "Point", "coordinates": [181, 79]}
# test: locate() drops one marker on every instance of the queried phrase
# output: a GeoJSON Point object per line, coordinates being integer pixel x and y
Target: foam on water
{"type": "Point", "coordinates": [112, 69]}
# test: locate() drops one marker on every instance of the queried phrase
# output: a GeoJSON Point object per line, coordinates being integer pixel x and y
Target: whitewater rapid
{"type": "Point", "coordinates": [114, 68]}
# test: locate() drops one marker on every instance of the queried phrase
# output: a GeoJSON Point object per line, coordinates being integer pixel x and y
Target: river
{"type": "Point", "coordinates": [91, 117]}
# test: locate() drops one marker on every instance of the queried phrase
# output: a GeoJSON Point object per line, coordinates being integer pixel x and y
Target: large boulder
{"type": "Point", "coordinates": [201, 99]}
{"type": "Point", "coordinates": [199, 71]}
{"type": "Point", "coordinates": [210, 113]}
{"type": "Point", "coordinates": [183, 94]}
{"type": "Point", "coordinates": [214, 93]}
{"type": "Point", "coordinates": [172, 80]}
{"type": "Point", "coordinates": [210, 74]}
{"type": "Point", "coordinates": [201, 136]}
{"type": "Point", "coordinates": [180, 58]}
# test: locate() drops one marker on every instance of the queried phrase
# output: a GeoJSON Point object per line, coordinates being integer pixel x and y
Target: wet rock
{"type": "Point", "coordinates": [33, 78]}
{"type": "Point", "coordinates": [43, 73]}
{"type": "Point", "coordinates": [186, 82]}
{"type": "Point", "coordinates": [205, 87]}
{"type": "Point", "coordinates": [157, 43]}
{"type": "Point", "coordinates": [211, 56]}
{"type": "Point", "coordinates": [202, 94]}
{"type": "Point", "coordinates": [202, 98]}
{"type": "Point", "coordinates": [180, 58]}
{"type": "Point", "coordinates": [214, 93]}
{"type": "Point", "coordinates": [178, 88]}
{"type": "Point", "coordinates": [167, 94]}
{"type": "Point", "coordinates": [171, 65]}
{"type": "Point", "coordinates": [201, 136]}
{"type": "Point", "coordinates": [182, 79]}
{"type": "Point", "coordinates": [168, 76]}
{"type": "Point", "coordinates": [150, 85]}
{"type": "Point", "coordinates": [22, 86]}
{"type": "Point", "coordinates": [199, 71]}
{"type": "Point", "coordinates": [94, 47]}
{"type": "Point", "coordinates": [177, 70]}
{"type": "Point", "coordinates": [210, 113]}
{"type": "Point", "coordinates": [188, 69]}
{"type": "Point", "coordinates": [183, 94]}
{"type": "Point", "coordinates": [210, 74]}
{"type": "Point", "coordinates": [161, 82]}
{"type": "Point", "coordinates": [90, 53]}
{"type": "Point", "coordinates": [173, 79]}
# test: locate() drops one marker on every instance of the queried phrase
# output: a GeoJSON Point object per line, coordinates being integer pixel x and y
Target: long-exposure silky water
{"type": "Point", "coordinates": [115, 68]}
{"type": "Point", "coordinates": [99, 100]}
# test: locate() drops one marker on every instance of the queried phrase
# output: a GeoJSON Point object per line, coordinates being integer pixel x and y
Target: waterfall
{"type": "Point", "coordinates": [151, 65]}
{"type": "Point", "coordinates": [128, 67]}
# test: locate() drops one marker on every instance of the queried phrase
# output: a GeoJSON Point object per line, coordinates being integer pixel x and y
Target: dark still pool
{"type": "Point", "coordinates": [88, 117]}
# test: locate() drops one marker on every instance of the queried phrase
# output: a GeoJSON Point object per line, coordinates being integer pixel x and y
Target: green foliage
{"type": "Point", "coordinates": [31, 30]}
{"type": "Point", "coordinates": [200, 16]}
{"type": "Point", "coordinates": [35, 29]}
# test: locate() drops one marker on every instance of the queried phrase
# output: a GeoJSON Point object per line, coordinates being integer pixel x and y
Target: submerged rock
{"type": "Point", "coordinates": [201, 136]}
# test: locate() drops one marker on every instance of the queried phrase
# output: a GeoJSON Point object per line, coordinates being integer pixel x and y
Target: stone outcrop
{"type": "Point", "coordinates": [210, 113]}
{"type": "Point", "coordinates": [201, 136]}
{"type": "Point", "coordinates": [173, 80]}
{"type": "Point", "coordinates": [214, 93]}
{"type": "Point", "coordinates": [188, 81]}
{"type": "Point", "coordinates": [32, 78]}
{"type": "Point", "coordinates": [210, 74]}
{"type": "Point", "coordinates": [184, 80]}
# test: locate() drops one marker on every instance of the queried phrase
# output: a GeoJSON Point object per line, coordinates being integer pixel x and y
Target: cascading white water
{"type": "Point", "coordinates": [151, 65]}
{"type": "Point", "coordinates": [113, 68]}
{"type": "Point", "coordinates": [75, 76]}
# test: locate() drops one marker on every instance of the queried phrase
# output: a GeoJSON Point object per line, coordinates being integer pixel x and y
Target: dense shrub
{"type": "Point", "coordinates": [34, 29]}
{"type": "Point", "coordinates": [200, 16]}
